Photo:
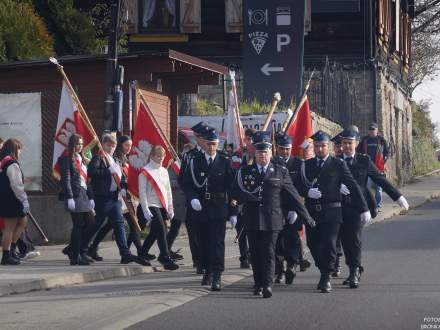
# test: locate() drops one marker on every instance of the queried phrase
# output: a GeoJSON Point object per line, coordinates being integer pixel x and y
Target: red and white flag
{"type": "Point", "coordinates": [146, 135]}
{"type": "Point", "coordinates": [301, 129]}
{"type": "Point", "coordinates": [70, 121]}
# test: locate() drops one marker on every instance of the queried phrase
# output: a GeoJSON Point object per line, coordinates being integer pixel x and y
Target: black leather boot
{"type": "Point", "coordinates": [93, 253]}
{"type": "Point", "coordinates": [216, 281]}
{"type": "Point", "coordinates": [207, 279]}
{"type": "Point", "coordinates": [168, 263]}
{"type": "Point", "coordinates": [290, 273]}
{"type": "Point", "coordinates": [353, 278]}
{"type": "Point", "coordinates": [8, 260]}
{"type": "Point", "coordinates": [337, 270]}
{"type": "Point", "coordinates": [326, 287]}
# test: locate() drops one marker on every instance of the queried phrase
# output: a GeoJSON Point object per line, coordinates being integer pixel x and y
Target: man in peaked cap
{"type": "Point", "coordinates": [289, 244]}
{"type": "Point", "coordinates": [362, 169]}
{"type": "Point", "coordinates": [322, 177]}
{"type": "Point", "coordinates": [261, 187]}
{"type": "Point", "coordinates": [207, 185]}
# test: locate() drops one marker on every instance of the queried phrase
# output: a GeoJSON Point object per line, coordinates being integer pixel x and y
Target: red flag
{"type": "Point", "coordinates": [70, 120]}
{"type": "Point", "coordinates": [146, 135]}
{"type": "Point", "coordinates": [301, 129]}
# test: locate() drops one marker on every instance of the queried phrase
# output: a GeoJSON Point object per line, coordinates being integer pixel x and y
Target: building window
{"type": "Point", "coordinates": [159, 16]}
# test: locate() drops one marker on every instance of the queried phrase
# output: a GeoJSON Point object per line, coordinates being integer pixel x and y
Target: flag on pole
{"type": "Point", "coordinates": [70, 121]}
{"type": "Point", "coordinates": [301, 129]}
{"type": "Point", "coordinates": [233, 126]}
{"type": "Point", "coordinates": [146, 135]}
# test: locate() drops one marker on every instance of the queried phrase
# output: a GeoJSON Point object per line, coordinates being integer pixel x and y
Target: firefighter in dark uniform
{"type": "Point", "coordinates": [289, 242]}
{"type": "Point", "coordinates": [261, 187]}
{"type": "Point", "coordinates": [194, 245]}
{"type": "Point", "coordinates": [207, 184]}
{"type": "Point", "coordinates": [337, 149]}
{"type": "Point", "coordinates": [361, 168]}
{"type": "Point", "coordinates": [322, 177]}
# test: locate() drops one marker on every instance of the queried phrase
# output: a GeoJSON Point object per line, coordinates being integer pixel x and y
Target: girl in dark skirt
{"type": "Point", "coordinates": [14, 203]}
{"type": "Point", "coordinates": [78, 199]}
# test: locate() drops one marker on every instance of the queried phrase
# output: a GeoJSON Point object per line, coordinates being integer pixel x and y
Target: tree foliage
{"type": "Point", "coordinates": [425, 52]}
{"type": "Point", "coordinates": [23, 34]}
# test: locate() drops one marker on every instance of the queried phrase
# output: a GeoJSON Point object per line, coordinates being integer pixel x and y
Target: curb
{"type": "Point", "coordinates": [396, 210]}
{"type": "Point", "coordinates": [76, 278]}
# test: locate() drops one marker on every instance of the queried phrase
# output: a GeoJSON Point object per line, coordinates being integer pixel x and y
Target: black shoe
{"type": "Point", "coordinates": [346, 281]}
{"type": "Point", "coordinates": [128, 258]}
{"type": "Point", "coordinates": [244, 264]}
{"type": "Point", "coordinates": [326, 287]}
{"type": "Point", "coordinates": [199, 270]}
{"type": "Point", "coordinates": [168, 263]}
{"type": "Point", "coordinates": [290, 274]}
{"type": "Point", "coordinates": [8, 260]}
{"type": "Point", "coordinates": [267, 292]}
{"type": "Point", "coordinates": [14, 255]}
{"type": "Point", "coordinates": [176, 255]}
{"type": "Point", "coordinates": [85, 256]}
{"type": "Point", "coordinates": [93, 253]}
{"type": "Point", "coordinates": [279, 278]}
{"type": "Point", "coordinates": [150, 256]}
{"type": "Point", "coordinates": [207, 279]}
{"type": "Point", "coordinates": [337, 270]}
{"type": "Point", "coordinates": [353, 279]}
{"type": "Point", "coordinates": [79, 261]}
{"type": "Point", "coordinates": [141, 260]}
{"type": "Point", "coordinates": [67, 251]}
{"type": "Point", "coordinates": [304, 264]}
{"type": "Point", "coordinates": [258, 291]}
{"type": "Point", "coordinates": [320, 283]}
{"type": "Point", "coordinates": [216, 282]}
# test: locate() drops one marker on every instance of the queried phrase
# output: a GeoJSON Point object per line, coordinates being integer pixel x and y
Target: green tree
{"type": "Point", "coordinates": [73, 30]}
{"type": "Point", "coordinates": [23, 34]}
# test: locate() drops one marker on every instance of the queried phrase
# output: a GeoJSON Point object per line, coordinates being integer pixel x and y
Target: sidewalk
{"type": "Point", "coordinates": [51, 269]}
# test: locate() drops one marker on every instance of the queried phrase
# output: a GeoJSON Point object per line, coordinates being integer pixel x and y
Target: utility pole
{"type": "Point", "coordinates": [110, 113]}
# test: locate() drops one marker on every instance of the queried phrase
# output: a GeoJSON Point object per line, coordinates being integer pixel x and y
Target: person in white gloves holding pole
{"type": "Point", "coordinates": [156, 199]}
{"type": "Point", "coordinates": [362, 169]}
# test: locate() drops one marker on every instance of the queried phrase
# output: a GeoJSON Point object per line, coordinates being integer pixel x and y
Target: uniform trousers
{"type": "Point", "coordinates": [262, 248]}
{"type": "Point", "coordinates": [191, 228]}
{"type": "Point", "coordinates": [242, 240]}
{"type": "Point", "coordinates": [288, 246]}
{"type": "Point", "coordinates": [351, 237]}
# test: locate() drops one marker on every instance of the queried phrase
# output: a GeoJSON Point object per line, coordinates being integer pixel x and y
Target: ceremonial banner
{"type": "Point", "coordinates": [146, 135]}
{"type": "Point", "coordinates": [20, 118]}
{"type": "Point", "coordinates": [301, 129]}
{"type": "Point", "coordinates": [70, 121]}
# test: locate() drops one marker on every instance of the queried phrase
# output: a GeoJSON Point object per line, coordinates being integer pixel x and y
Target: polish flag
{"type": "Point", "coordinates": [146, 135]}
{"type": "Point", "coordinates": [70, 121]}
{"type": "Point", "coordinates": [301, 129]}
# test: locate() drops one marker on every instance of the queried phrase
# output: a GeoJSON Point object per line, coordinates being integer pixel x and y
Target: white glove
{"type": "Point", "coordinates": [147, 215]}
{"type": "Point", "coordinates": [403, 203]}
{"type": "Point", "coordinates": [233, 221]}
{"type": "Point", "coordinates": [112, 168]}
{"type": "Point", "coordinates": [365, 218]}
{"type": "Point", "coordinates": [26, 208]}
{"type": "Point", "coordinates": [291, 217]}
{"type": "Point", "coordinates": [92, 203]}
{"type": "Point", "coordinates": [124, 193]}
{"type": "Point", "coordinates": [71, 204]}
{"type": "Point", "coordinates": [344, 190]}
{"type": "Point", "coordinates": [171, 214]}
{"type": "Point", "coordinates": [195, 204]}
{"type": "Point", "coordinates": [314, 193]}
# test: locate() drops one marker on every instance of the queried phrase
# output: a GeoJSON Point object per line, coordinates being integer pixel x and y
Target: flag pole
{"type": "Point", "coordinates": [275, 100]}
{"type": "Point", "coordinates": [287, 124]}
{"type": "Point", "coordinates": [159, 129]}
{"type": "Point", "coordinates": [237, 110]}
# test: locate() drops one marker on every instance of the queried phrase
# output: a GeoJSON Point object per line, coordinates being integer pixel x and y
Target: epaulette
{"type": "Point", "coordinates": [363, 157]}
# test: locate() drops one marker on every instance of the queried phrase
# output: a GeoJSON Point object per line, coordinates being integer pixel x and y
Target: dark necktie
{"type": "Point", "coordinates": [262, 173]}
{"type": "Point", "coordinates": [320, 163]}
{"type": "Point", "coordinates": [210, 161]}
{"type": "Point", "coordinates": [349, 160]}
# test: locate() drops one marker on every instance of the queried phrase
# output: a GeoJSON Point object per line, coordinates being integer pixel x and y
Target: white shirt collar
{"type": "Point", "coordinates": [207, 157]}
{"type": "Point", "coordinates": [324, 159]}
{"type": "Point", "coordinates": [260, 167]}
{"type": "Point", "coordinates": [352, 156]}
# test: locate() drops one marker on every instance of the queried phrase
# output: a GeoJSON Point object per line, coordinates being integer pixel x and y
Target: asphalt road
{"type": "Point", "coordinates": [399, 290]}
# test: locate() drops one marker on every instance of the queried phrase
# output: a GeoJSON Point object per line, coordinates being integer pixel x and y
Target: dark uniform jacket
{"type": "Point", "coordinates": [328, 180]}
{"type": "Point", "coordinates": [71, 179]}
{"type": "Point", "coordinates": [209, 184]}
{"type": "Point", "coordinates": [262, 208]}
{"type": "Point", "coordinates": [186, 157]}
{"type": "Point", "coordinates": [100, 176]}
{"type": "Point", "coordinates": [362, 168]}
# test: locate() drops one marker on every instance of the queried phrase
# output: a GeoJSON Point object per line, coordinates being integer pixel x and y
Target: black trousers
{"type": "Point", "coordinates": [171, 236]}
{"type": "Point", "coordinates": [242, 240]}
{"type": "Point", "coordinates": [351, 237]}
{"type": "Point", "coordinates": [83, 226]}
{"type": "Point", "coordinates": [158, 232]}
{"type": "Point", "coordinates": [288, 246]}
{"type": "Point", "coordinates": [321, 241]}
{"type": "Point", "coordinates": [191, 228]}
{"type": "Point", "coordinates": [211, 238]}
{"type": "Point", "coordinates": [262, 248]}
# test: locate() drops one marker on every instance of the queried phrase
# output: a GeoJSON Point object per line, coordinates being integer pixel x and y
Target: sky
{"type": "Point", "coordinates": [430, 90]}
